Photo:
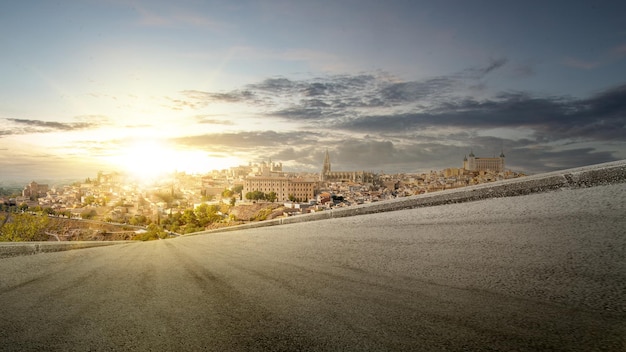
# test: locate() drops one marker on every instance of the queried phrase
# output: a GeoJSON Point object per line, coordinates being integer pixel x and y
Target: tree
{"type": "Point", "coordinates": [237, 189]}
{"type": "Point", "coordinates": [88, 214]}
{"type": "Point", "coordinates": [90, 200]}
{"type": "Point", "coordinates": [271, 197]}
{"type": "Point", "coordinates": [153, 232]}
{"type": "Point", "coordinates": [138, 220]}
{"type": "Point", "coordinates": [227, 193]}
{"type": "Point", "coordinates": [255, 195]}
{"type": "Point", "coordinates": [22, 207]}
{"type": "Point", "coordinates": [189, 217]}
{"type": "Point", "coordinates": [233, 200]}
{"type": "Point", "coordinates": [207, 214]}
{"type": "Point", "coordinates": [292, 198]}
{"type": "Point", "coordinates": [25, 227]}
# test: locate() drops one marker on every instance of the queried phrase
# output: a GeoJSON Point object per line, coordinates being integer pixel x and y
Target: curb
{"type": "Point", "coordinates": [13, 249]}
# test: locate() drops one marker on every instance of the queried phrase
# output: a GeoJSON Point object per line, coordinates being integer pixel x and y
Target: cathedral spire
{"type": "Point", "coordinates": [326, 167]}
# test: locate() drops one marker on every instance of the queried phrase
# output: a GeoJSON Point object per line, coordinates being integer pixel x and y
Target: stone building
{"type": "Point", "coordinates": [34, 190]}
{"type": "Point", "coordinates": [327, 175]}
{"type": "Point", "coordinates": [301, 189]}
{"type": "Point", "coordinates": [474, 163]}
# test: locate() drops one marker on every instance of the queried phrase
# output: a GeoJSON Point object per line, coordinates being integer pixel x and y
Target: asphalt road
{"type": "Point", "coordinates": [543, 272]}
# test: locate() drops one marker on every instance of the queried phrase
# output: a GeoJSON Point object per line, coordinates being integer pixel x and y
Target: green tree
{"type": "Point", "coordinates": [189, 218]}
{"type": "Point", "coordinates": [233, 200]}
{"type": "Point", "coordinates": [227, 193]}
{"type": "Point", "coordinates": [271, 197]}
{"type": "Point", "coordinates": [255, 195]}
{"type": "Point", "coordinates": [22, 207]}
{"type": "Point", "coordinates": [24, 227]}
{"type": "Point", "coordinates": [153, 232]}
{"type": "Point", "coordinates": [207, 214]}
{"type": "Point", "coordinates": [138, 220]}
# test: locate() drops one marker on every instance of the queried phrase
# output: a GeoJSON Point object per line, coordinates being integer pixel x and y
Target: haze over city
{"type": "Point", "coordinates": [394, 86]}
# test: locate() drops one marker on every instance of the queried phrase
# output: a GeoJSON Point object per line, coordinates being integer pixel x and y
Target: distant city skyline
{"type": "Point", "coordinates": [396, 86]}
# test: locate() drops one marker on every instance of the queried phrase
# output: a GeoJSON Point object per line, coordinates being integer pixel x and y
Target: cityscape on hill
{"type": "Point", "coordinates": [184, 203]}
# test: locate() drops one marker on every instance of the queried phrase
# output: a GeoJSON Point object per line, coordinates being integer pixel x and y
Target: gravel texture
{"type": "Point", "coordinates": [538, 272]}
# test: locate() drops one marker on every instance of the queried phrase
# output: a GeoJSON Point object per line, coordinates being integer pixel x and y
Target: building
{"type": "Point", "coordinates": [34, 190]}
{"type": "Point", "coordinates": [301, 189]}
{"type": "Point", "coordinates": [327, 175]}
{"type": "Point", "coordinates": [474, 163]}
{"type": "Point", "coordinates": [266, 169]}
{"type": "Point", "coordinates": [269, 177]}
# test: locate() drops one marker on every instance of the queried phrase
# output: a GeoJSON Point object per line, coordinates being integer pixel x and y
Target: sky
{"type": "Point", "coordinates": [385, 86]}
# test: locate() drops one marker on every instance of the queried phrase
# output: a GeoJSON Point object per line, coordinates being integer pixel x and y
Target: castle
{"type": "Point", "coordinates": [474, 163]}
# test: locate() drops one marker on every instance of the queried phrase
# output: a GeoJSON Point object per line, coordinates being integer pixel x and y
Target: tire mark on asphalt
{"type": "Point", "coordinates": [418, 301]}
{"type": "Point", "coordinates": [239, 323]}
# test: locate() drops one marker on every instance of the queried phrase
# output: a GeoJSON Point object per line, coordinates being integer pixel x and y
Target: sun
{"type": "Point", "coordinates": [149, 160]}
{"type": "Point", "coordinates": [146, 160]}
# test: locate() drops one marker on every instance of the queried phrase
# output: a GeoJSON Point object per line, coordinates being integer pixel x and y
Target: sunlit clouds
{"type": "Point", "coordinates": [152, 87]}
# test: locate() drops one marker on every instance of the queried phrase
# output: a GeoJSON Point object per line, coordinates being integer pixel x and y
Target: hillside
{"type": "Point", "coordinates": [257, 211]}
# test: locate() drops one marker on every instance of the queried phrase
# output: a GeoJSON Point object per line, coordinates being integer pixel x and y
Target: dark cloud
{"type": "Point", "coordinates": [39, 126]}
{"type": "Point", "coordinates": [233, 97]}
{"type": "Point", "coordinates": [602, 117]}
{"type": "Point", "coordinates": [422, 124]}
{"type": "Point", "coordinates": [196, 99]}
{"type": "Point", "coordinates": [544, 159]}
{"type": "Point", "coordinates": [414, 91]}
{"type": "Point", "coordinates": [493, 65]}
{"type": "Point", "coordinates": [275, 85]}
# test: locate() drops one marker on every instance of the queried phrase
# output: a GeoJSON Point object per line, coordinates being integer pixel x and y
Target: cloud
{"type": "Point", "coordinates": [405, 92]}
{"type": "Point", "coordinates": [494, 64]}
{"type": "Point", "coordinates": [196, 99]}
{"type": "Point", "coordinates": [24, 126]}
{"type": "Point", "coordinates": [602, 117]}
{"type": "Point", "coordinates": [375, 121]}
{"type": "Point", "coordinates": [480, 72]}
{"type": "Point", "coordinates": [211, 120]}
{"type": "Point", "coordinates": [537, 160]}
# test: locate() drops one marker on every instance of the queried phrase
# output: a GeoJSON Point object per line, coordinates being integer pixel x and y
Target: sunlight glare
{"type": "Point", "coordinates": [148, 160]}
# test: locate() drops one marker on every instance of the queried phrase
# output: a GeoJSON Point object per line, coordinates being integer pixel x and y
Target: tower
{"type": "Point", "coordinates": [326, 167]}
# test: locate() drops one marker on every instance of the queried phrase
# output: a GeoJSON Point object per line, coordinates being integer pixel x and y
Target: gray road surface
{"type": "Point", "coordinates": [543, 272]}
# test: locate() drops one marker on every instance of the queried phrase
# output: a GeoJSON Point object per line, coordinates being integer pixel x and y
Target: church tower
{"type": "Point", "coordinates": [326, 167]}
